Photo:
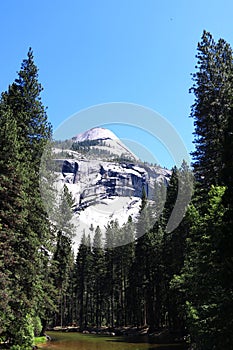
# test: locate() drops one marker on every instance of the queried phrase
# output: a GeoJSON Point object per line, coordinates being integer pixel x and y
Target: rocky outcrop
{"type": "Point", "coordinates": [90, 181]}
{"type": "Point", "coordinates": [106, 179]}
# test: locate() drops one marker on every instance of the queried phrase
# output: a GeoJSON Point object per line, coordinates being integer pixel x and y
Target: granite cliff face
{"type": "Point", "coordinates": [106, 180]}
{"type": "Point", "coordinates": [93, 180]}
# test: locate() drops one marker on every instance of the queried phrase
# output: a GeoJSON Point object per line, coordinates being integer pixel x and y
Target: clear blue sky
{"type": "Point", "coordinates": [99, 51]}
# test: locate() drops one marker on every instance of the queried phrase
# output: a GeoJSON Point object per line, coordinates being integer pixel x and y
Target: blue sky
{"type": "Point", "coordinates": [93, 52]}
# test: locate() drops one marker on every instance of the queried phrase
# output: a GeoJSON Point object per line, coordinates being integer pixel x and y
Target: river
{"type": "Point", "coordinates": [77, 341]}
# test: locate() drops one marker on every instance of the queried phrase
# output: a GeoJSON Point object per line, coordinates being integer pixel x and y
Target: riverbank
{"type": "Point", "coordinates": [160, 336]}
{"type": "Point", "coordinates": [77, 340]}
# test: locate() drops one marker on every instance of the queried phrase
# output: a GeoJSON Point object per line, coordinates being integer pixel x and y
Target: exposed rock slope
{"type": "Point", "coordinates": [105, 178]}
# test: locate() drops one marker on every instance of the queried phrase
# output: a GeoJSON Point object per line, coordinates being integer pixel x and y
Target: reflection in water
{"type": "Point", "coordinates": [77, 341]}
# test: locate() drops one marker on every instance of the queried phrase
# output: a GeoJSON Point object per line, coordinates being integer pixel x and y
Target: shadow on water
{"type": "Point", "coordinates": [77, 341]}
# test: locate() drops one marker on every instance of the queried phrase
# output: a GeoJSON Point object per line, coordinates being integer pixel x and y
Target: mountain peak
{"type": "Point", "coordinates": [97, 133]}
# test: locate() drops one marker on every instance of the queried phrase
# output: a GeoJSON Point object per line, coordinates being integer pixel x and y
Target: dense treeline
{"type": "Point", "coordinates": [141, 274]}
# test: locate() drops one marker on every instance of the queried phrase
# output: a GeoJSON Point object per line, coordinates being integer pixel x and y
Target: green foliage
{"type": "Point", "coordinates": [202, 273]}
{"type": "Point", "coordinates": [64, 213]}
{"type": "Point", "coordinates": [25, 229]}
{"type": "Point", "coordinates": [213, 102]}
{"type": "Point", "coordinates": [23, 334]}
{"type": "Point", "coordinates": [206, 280]}
{"type": "Point", "coordinates": [37, 326]}
{"type": "Point", "coordinates": [40, 340]}
{"type": "Point", "coordinates": [98, 273]}
{"type": "Point", "coordinates": [62, 261]}
{"type": "Point", "coordinates": [85, 146]}
{"type": "Point", "coordinates": [83, 281]}
{"type": "Point", "coordinates": [63, 145]}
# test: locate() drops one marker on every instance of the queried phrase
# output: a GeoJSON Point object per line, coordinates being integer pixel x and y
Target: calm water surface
{"type": "Point", "coordinates": [77, 341]}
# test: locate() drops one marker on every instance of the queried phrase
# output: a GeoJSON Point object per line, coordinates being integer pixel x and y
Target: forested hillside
{"type": "Point", "coordinates": [177, 280]}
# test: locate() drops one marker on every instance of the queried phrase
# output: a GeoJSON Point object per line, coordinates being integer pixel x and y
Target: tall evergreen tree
{"type": "Point", "coordinates": [23, 110]}
{"type": "Point", "coordinates": [141, 262]}
{"type": "Point", "coordinates": [201, 278]}
{"type": "Point", "coordinates": [23, 98]}
{"type": "Point", "coordinates": [83, 281]}
{"type": "Point", "coordinates": [213, 95]}
{"type": "Point", "coordinates": [12, 216]}
{"type": "Point", "coordinates": [62, 267]}
{"type": "Point", "coordinates": [98, 271]}
{"type": "Point", "coordinates": [225, 241]}
{"type": "Point", "coordinates": [127, 258]}
{"type": "Point", "coordinates": [63, 255]}
{"type": "Point", "coordinates": [174, 242]}
{"type": "Point", "coordinates": [207, 274]}
{"type": "Point", "coordinates": [111, 235]}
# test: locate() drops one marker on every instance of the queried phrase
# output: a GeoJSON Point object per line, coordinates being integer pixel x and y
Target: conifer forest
{"type": "Point", "coordinates": [179, 281]}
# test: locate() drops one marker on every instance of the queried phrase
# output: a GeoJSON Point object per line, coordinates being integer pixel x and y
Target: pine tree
{"type": "Point", "coordinates": [127, 258]}
{"type": "Point", "coordinates": [225, 241]}
{"type": "Point", "coordinates": [99, 271]}
{"type": "Point", "coordinates": [83, 282]}
{"type": "Point", "coordinates": [213, 91]}
{"type": "Point", "coordinates": [207, 275]}
{"type": "Point", "coordinates": [174, 242]}
{"type": "Point", "coordinates": [201, 278]}
{"type": "Point", "coordinates": [12, 216]}
{"type": "Point", "coordinates": [141, 262]}
{"type": "Point", "coordinates": [23, 98]}
{"type": "Point", "coordinates": [111, 234]}
{"type": "Point", "coordinates": [63, 255]}
{"type": "Point", "coordinates": [17, 303]}
{"type": "Point", "coordinates": [31, 231]}
{"type": "Point", "coordinates": [62, 267]}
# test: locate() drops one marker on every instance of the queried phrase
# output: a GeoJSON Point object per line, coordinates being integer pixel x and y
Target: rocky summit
{"type": "Point", "coordinates": [105, 178]}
